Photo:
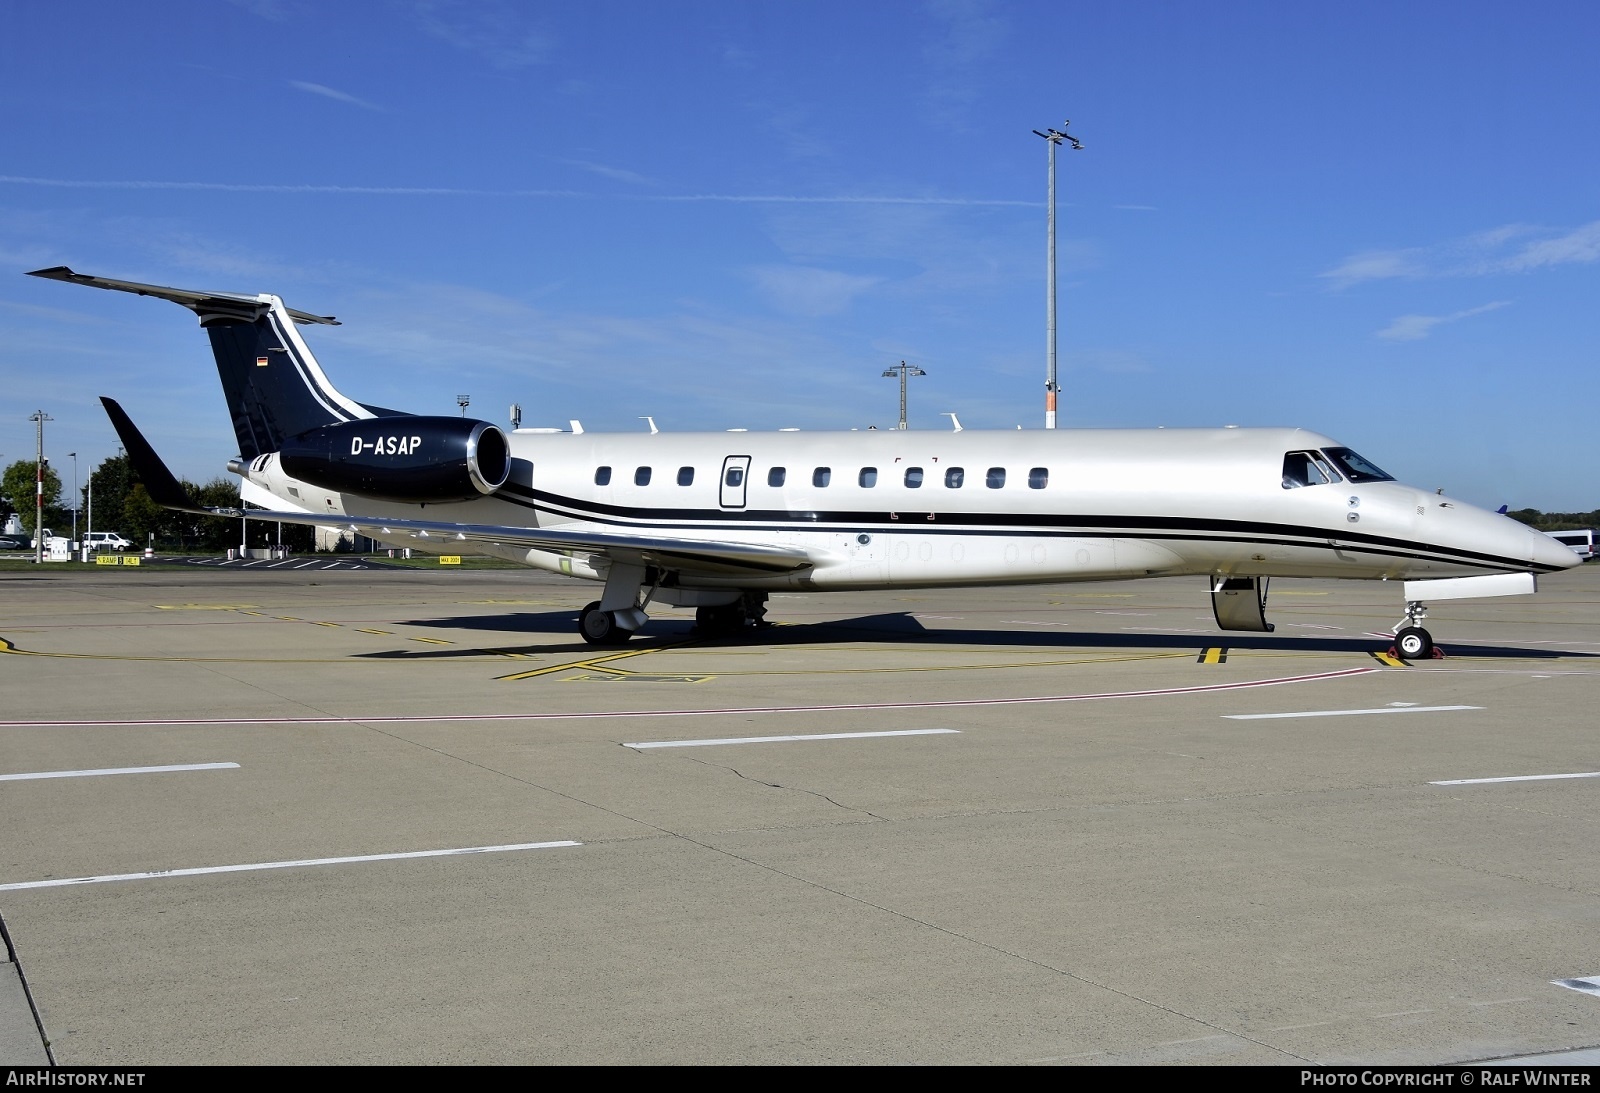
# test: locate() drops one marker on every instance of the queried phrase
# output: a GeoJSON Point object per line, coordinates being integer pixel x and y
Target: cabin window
{"type": "Point", "coordinates": [602, 476]}
{"type": "Point", "coordinates": [1038, 478]}
{"type": "Point", "coordinates": [641, 477]}
{"type": "Point", "coordinates": [1355, 468]}
{"type": "Point", "coordinates": [821, 476]}
{"type": "Point", "coordinates": [776, 476]}
{"type": "Point", "coordinates": [735, 476]}
{"type": "Point", "coordinates": [913, 478]}
{"type": "Point", "coordinates": [685, 476]}
{"type": "Point", "coordinates": [995, 478]}
{"type": "Point", "coordinates": [954, 477]}
{"type": "Point", "coordinates": [868, 477]}
{"type": "Point", "coordinates": [1306, 469]}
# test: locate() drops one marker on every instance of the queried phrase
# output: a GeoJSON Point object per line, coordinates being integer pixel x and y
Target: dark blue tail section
{"type": "Point", "coordinates": [273, 385]}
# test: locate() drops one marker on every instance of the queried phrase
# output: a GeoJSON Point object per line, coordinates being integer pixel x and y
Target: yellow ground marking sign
{"type": "Point", "coordinates": [600, 666]}
{"type": "Point", "coordinates": [449, 559]}
{"type": "Point", "coordinates": [434, 641]}
{"type": "Point", "coordinates": [540, 603]}
{"type": "Point", "coordinates": [1214, 655]}
{"type": "Point", "coordinates": [364, 630]}
{"type": "Point", "coordinates": [203, 606]}
{"type": "Point", "coordinates": [1392, 662]}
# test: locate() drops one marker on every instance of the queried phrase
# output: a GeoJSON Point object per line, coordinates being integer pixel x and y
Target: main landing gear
{"type": "Point", "coordinates": [728, 619]}
{"type": "Point", "coordinates": [1411, 641]}
{"type": "Point", "coordinates": [613, 618]}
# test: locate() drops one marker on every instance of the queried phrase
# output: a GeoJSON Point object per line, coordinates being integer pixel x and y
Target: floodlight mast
{"type": "Point", "coordinates": [903, 370]}
{"type": "Point", "coordinates": [38, 417]}
{"type": "Point", "coordinates": [1053, 137]}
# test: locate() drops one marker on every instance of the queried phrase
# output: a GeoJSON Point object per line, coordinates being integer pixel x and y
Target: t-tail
{"type": "Point", "coordinates": [274, 387]}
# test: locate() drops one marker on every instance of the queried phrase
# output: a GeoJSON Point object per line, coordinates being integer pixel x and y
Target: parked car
{"type": "Point", "coordinates": [105, 540]}
{"type": "Point", "coordinates": [1585, 542]}
{"type": "Point", "coordinates": [14, 542]}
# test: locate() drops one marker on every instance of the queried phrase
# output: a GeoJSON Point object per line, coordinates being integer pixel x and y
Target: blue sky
{"type": "Point", "coordinates": [1377, 220]}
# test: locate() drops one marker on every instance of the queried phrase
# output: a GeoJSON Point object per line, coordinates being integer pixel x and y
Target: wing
{"type": "Point", "coordinates": [436, 536]}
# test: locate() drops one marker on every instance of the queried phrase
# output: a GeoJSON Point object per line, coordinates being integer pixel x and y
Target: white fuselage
{"type": "Point", "coordinates": [1108, 504]}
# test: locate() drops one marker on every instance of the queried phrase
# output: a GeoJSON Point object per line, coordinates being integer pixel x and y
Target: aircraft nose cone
{"type": "Point", "coordinates": [1548, 552]}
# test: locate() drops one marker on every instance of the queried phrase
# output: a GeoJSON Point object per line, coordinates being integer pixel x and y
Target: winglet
{"type": "Point", "coordinates": [164, 489]}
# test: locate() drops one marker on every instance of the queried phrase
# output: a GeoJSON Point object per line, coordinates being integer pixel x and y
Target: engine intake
{"type": "Point", "coordinates": [416, 460]}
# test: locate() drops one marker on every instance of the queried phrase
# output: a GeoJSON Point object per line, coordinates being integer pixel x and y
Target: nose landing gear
{"type": "Point", "coordinates": [1411, 641]}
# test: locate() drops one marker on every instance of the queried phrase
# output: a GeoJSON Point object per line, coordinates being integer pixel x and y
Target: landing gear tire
{"type": "Point", "coordinates": [721, 620]}
{"type": "Point", "coordinates": [600, 627]}
{"type": "Point", "coordinates": [1414, 643]}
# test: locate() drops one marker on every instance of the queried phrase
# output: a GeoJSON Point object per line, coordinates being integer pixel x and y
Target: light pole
{"type": "Point", "coordinates": [38, 417]}
{"type": "Point", "coordinates": [463, 401]}
{"type": "Point", "coordinates": [1053, 137]}
{"type": "Point", "coordinates": [74, 457]}
{"type": "Point", "coordinates": [903, 370]}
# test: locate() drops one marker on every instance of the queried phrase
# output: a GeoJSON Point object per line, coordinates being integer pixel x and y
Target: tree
{"type": "Point", "coordinates": [108, 488]}
{"type": "Point", "coordinates": [18, 487]}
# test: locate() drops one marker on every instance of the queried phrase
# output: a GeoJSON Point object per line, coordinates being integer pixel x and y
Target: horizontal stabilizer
{"type": "Point", "coordinates": [201, 303]}
{"type": "Point", "coordinates": [163, 489]}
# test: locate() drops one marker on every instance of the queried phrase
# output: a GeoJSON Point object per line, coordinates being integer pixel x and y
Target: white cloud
{"type": "Point", "coordinates": [616, 174]}
{"type": "Point", "coordinates": [805, 290]}
{"type": "Point", "coordinates": [1510, 248]}
{"type": "Point", "coordinates": [1410, 328]}
{"type": "Point", "coordinates": [1581, 245]}
{"type": "Point", "coordinates": [332, 93]}
{"type": "Point", "coordinates": [497, 32]}
{"type": "Point", "coordinates": [1375, 265]}
{"type": "Point", "coordinates": [966, 36]}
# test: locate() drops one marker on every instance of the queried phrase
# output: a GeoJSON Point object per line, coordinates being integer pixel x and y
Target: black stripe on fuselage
{"type": "Point", "coordinates": [1166, 528]}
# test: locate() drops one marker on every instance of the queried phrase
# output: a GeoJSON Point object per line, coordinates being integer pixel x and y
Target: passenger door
{"type": "Point", "coordinates": [735, 478]}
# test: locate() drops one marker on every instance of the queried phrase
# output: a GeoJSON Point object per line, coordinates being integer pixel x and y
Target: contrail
{"type": "Point", "coordinates": [446, 191]}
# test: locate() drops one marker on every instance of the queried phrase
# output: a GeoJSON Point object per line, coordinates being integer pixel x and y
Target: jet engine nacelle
{"type": "Point", "coordinates": [415, 460]}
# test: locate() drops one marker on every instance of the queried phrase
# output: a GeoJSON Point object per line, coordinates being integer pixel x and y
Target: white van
{"type": "Point", "coordinates": [105, 540]}
{"type": "Point", "coordinates": [1585, 542]}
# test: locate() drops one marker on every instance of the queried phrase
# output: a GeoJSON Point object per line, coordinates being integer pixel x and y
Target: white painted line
{"type": "Point", "coordinates": [776, 739]}
{"type": "Point", "coordinates": [403, 719]}
{"type": "Point", "coordinates": [278, 865]}
{"type": "Point", "coordinates": [1515, 778]}
{"type": "Point", "coordinates": [115, 770]}
{"type": "Point", "coordinates": [1345, 713]}
{"type": "Point", "coordinates": [1588, 984]}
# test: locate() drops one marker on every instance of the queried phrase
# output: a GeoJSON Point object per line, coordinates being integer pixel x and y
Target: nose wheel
{"type": "Point", "coordinates": [1411, 641]}
{"type": "Point", "coordinates": [1414, 643]}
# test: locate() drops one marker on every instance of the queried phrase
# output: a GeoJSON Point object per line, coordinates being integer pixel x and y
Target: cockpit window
{"type": "Point", "coordinates": [1355, 468]}
{"type": "Point", "coordinates": [1306, 469]}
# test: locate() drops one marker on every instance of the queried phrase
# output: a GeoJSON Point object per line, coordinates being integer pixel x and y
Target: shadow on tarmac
{"type": "Point", "coordinates": [902, 627]}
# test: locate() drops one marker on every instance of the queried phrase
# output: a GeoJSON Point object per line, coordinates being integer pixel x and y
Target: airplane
{"type": "Point", "coordinates": [719, 520]}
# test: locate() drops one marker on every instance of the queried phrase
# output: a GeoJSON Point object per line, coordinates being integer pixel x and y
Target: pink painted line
{"type": "Point", "coordinates": [1343, 673]}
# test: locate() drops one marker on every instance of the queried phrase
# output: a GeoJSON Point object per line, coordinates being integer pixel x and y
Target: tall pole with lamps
{"type": "Point", "coordinates": [38, 417]}
{"type": "Point", "coordinates": [1053, 137]}
{"type": "Point", "coordinates": [74, 457]}
{"type": "Point", "coordinates": [903, 370]}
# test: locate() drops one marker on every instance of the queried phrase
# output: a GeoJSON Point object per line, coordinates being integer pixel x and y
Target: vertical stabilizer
{"type": "Point", "coordinates": [273, 385]}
